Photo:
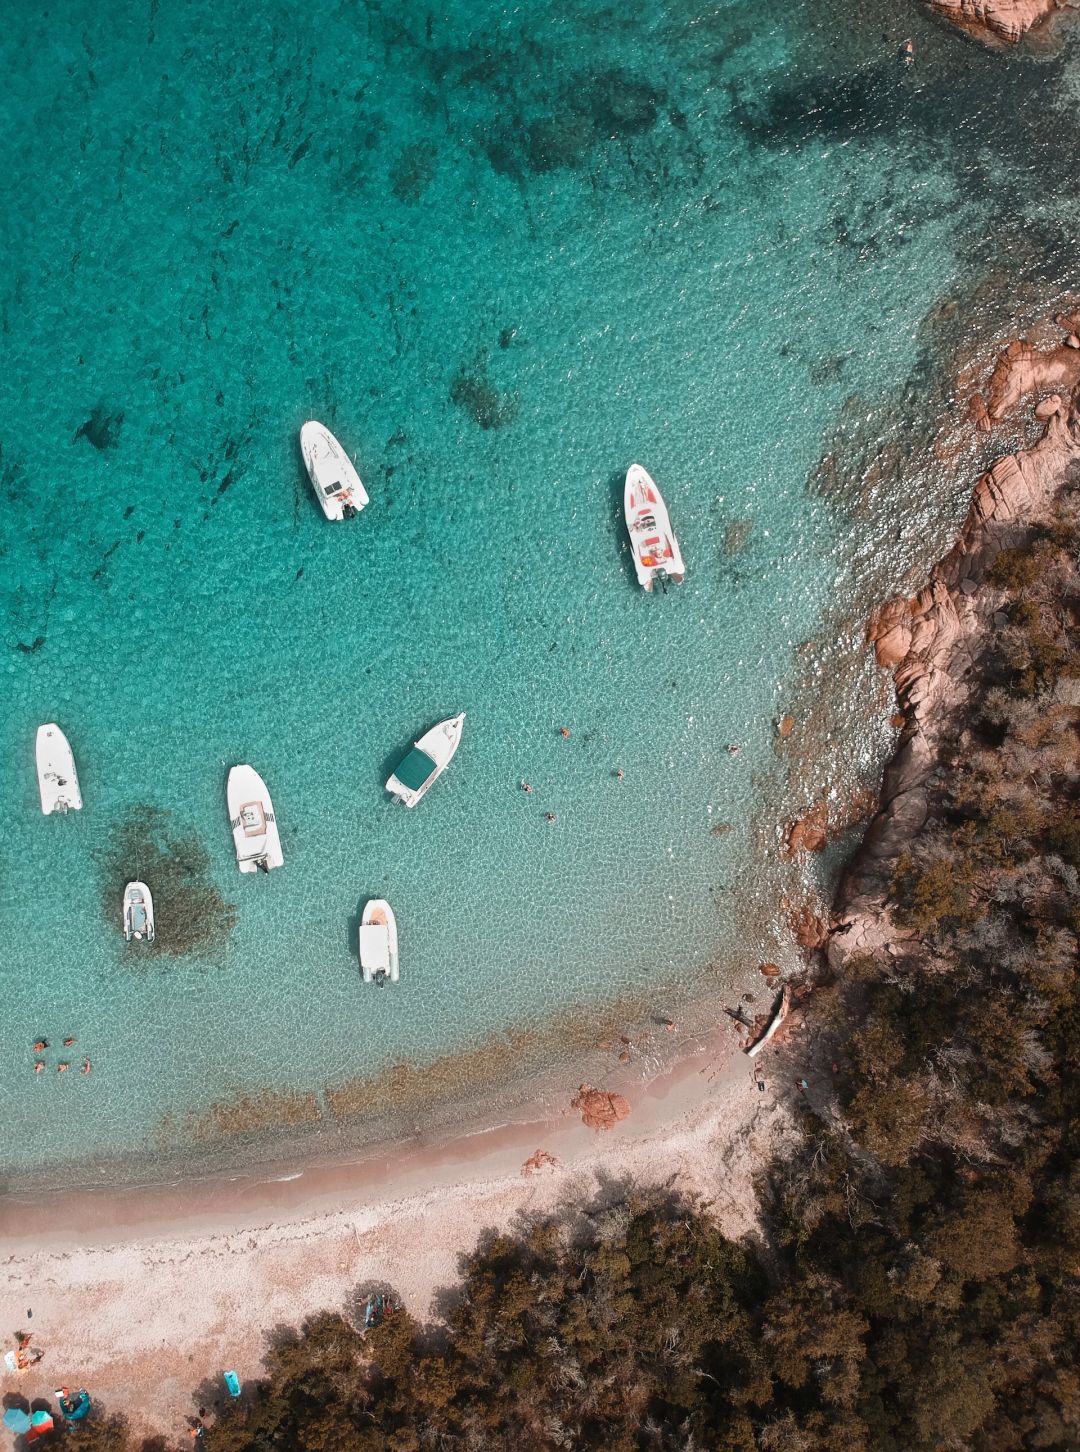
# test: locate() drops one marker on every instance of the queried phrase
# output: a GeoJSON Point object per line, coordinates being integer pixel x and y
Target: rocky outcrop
{"type": "Point", "coordinates": [599, 1110]}
{"type": "Point", "coordinates": [808, 833]}
{"type": "Point", "coordinates": [542, 1160]}
{"type": "Point", "coordinates": [1002, 19]}
{"type": "Point", "coordinates": [927, 640]}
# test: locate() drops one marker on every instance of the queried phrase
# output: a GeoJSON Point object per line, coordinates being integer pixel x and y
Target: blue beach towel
{"type": "Point", "coordinates": [232, 1381]}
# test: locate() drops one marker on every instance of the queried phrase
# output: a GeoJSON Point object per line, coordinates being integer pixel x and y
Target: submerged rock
{"type": "Point", "coordinates": [807, 833]}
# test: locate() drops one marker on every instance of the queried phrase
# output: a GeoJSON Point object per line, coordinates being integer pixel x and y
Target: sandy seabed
{"type": "Point", "coordinates": [143, 1296]}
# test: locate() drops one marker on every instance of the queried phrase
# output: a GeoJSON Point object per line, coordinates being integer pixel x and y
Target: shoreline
{"type": "Point", "coordinates": [254, 1254]}
{"type": "Point", "coordinates": [926, 640]}
{"type": "Point", "coordinates": [231, 1256]}
{"type": "Point", "coordinates": [618, 1046]}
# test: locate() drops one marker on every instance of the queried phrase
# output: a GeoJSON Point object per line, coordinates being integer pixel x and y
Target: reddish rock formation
{"type": "Point", "coordinates": [810, 928]}
{"type": "Point", "coordinates": [541, 1160]}
{"type": "Point", "coordinates": [889, 631]}
{"type": "Point", "coordinates": [1048, 407]}
{"type": "Point", "coordinates": [926, 641]}
{"type": "Point", "coordinates": [807, 833]}
{"type": "Point", "coordinates": [1023, 369]}
{"type": "Point", "coordinates": [785, 726]}
{"type": "Point", "coordinates": [770, 970]}
{"type": "Point", "coordinates": [598, 1109]}
{"type": "Point", "coordinates": [1004, 19]}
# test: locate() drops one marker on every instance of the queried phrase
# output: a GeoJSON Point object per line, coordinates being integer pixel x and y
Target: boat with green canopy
{"type": "Point", "coordinates": [426, 762]}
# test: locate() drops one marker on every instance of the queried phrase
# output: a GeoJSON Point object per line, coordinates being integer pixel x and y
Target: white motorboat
{"type": "Point", "coordinates": [426, 762]}
{"type": "Point", "coordinates": [335, 482]}
{"type": "Point", "coordinates": [251, 817]}
{"type": "Point", "coordinates": [138, 913]}
{"type": "Point", "coordinates": [378, 943]}
{"type": "Point", "coordinates": [657, 557]}
{"type": "Point", "coordinates": [58, 783]}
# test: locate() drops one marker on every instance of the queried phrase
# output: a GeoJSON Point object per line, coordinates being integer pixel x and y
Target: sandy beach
{"type": "Point", "coordinates": [145, 1296]}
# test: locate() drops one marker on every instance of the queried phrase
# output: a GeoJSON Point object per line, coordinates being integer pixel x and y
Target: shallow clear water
{"type": "Point", "coordinates": [502, 254]}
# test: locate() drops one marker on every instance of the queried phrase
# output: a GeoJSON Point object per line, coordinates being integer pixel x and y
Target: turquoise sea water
{"type": "Point", "coordinates": [502, 253]}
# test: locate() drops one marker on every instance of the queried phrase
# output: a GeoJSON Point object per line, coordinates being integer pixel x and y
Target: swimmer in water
{"type": "Point", "coordinates": [907, 52]}
{"type": "Point", "coordinates": [525, 787]}
{"type": "Point", "coordinates": [63, 1066]}
{"type": "Point", "coordinates": [734, 748]}
{"type": "Point", "coordinates": [619, 774]}
{"type": "Point", "coordinates": [549, 816]}
{"type": "Point", "coordinates": [86, 1066]}
{"type": "Point", "coordinates": [41, 1046]}
{"type": "Point", "coordinates": [39, 1067]}
{"type": "Point", "coordinates": [68, 1043]}
{"type": "Point", "coordinates": [564, 730]}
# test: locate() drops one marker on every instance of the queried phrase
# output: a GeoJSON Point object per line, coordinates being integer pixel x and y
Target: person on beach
{"type": "Point", "coordinates": [669, 1024]}
{"type": "Point", "coordinates": [907, 52]}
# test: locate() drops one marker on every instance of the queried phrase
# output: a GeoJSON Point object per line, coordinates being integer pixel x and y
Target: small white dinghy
{"type": "Point", "coordinates": [138, 913]}
{"type": "Point", "coordinates": [378, 943]}
{"type": "Point", "coordinates": [335, 482]}
{"type": "Point", "coordinates": [251, 817]}
{"type": "Point", "coordinates": [657, 557]}
{"type": "Point", "coordinates": [426, 762]}
{"type": "Point", "coordinates": [58, 783]}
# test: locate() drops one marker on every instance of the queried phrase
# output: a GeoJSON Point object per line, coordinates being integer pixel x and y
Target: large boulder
{"type": "Point", "coordinates": [1006, 19]}
{"type": "Point", "coordinates": [600, 1110]}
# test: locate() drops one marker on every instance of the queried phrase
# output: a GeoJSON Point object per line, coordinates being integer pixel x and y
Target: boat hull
{"type": "Point", "coordinates": [138, 913]}
{"type": "Point", "coordinates": [378, 943]}
{"type": "Point", "coordinates": [656, 552]}
{"type": "Point", "coordinates": [440, 744]}
{"type": "Point", "coordinates": [333, 478]}
{"type": "Point", "coordinates": [58, 783]}
{"type": "Point", "coordinates": [253, 823]}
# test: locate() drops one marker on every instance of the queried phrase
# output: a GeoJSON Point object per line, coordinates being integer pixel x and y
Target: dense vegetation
{"type": "Point", "coordinates": [918, 1283]}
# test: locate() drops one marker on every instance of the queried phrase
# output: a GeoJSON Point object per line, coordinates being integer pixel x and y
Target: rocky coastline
{"type": "Point", "coordinates": [999, 20]}
{"type": "Point", "coordinates": [930, 640]}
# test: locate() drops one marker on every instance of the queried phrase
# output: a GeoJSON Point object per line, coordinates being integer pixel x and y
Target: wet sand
{"type": "Point", "coordinates": [143, 1296]}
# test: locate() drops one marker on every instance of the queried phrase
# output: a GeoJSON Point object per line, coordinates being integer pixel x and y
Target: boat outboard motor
{"type": "Point", "coordinates": [661, 578]}
{"type": "Point", "coordinates": [348, 511]}
{"type": "Point", "coordinates": [380, 977]}
{"type": "Point", "coordinates": [261, 864]}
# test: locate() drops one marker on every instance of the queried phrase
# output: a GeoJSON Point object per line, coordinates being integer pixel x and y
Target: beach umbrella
{"type": "Point", "coordinates": [16, 1420]}
{"type": "Point", "coordinates": [42, 1422]}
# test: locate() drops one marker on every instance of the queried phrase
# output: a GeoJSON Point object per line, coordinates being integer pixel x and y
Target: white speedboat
{"type": "Point", "coordinates": [57, 782]}
{"type": "Point", "coordinates": [657, 557]}
{"type": "Point", "coordinates": [138, 913]}
{"type": "Point", "coordinates": [378, 943]}
{"type": "Point", "coordinates": [426, 762]}
{"type": "Point", "coordinates": [335, 482]}
{"type": "Point", "coordinates": [251, 817]}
